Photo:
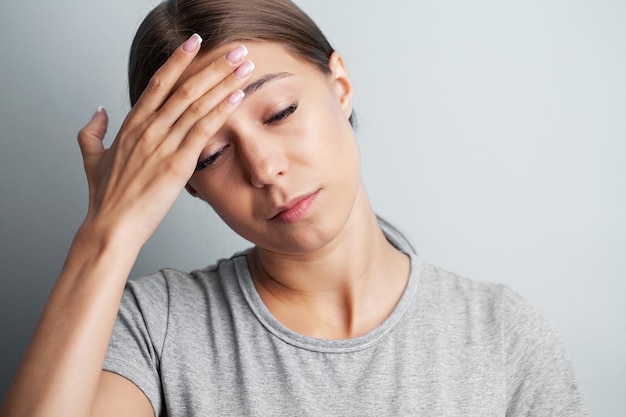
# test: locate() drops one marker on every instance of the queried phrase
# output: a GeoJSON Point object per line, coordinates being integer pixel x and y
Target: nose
{"type": "Point", "coordinates": [264, 161]}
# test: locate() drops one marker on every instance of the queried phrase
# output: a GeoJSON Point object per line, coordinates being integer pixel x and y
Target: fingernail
{"type": "Point", "coordinates": [244, 69]}
{"type": "Point", "coordinates": [192, 43]}
{"type": "Point", "coordinates": [236, 97]}
{"type": "Point", "coordinates": [237, 54]}
{"type": "Point", "coordinates": [100, 109]}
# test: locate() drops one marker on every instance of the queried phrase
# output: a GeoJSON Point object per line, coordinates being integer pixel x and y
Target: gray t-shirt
{"type": "Point", "coordinates": [204, 344]}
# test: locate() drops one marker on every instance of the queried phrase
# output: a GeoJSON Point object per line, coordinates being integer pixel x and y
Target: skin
{"type": "Point", "coordinates": [329, 274]}
{"type": "Point", "coordinates": [267, 165]}
{"type": "Point", "coordinates": [308, 273]}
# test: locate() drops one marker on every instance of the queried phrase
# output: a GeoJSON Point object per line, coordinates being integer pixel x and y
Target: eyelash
{"type": "Point", "coordinates": [210, 160]}
{"type": "Point", "coordinates": [281, 115]}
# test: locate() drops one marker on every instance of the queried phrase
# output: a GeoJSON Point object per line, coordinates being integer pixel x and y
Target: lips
{"type": "Point", "coordinates": [294, 210]}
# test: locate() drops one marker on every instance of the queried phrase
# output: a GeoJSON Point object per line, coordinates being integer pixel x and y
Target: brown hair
{"type": "Point", "coordinates": [219, 22]}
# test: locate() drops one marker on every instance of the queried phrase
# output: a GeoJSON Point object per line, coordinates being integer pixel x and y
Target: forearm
{"type": "Point", "coordinates": [132, 185]}
{"type": "Point", "coordinates": [60, 370]}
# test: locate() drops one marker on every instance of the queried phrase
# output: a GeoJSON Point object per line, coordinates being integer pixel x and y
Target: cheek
{"type": "Point", "coordinates": [340, 150]}
{"type": "Point", "coordinates": [220, 191]}
{"type": "Point", "coordinates": [235, 211]}
{"type": "Point", "coordinates": [226, 201]}
{"type": "Point", "coordinates": [329, 133]}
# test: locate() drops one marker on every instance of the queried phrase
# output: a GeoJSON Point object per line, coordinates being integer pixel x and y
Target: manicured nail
{"type": "Point", "coordinates": [237, 54]}
{"type": "Point", "coordinates": [235, 98]}
{"type": "Point", "coordinates": [100, 109]}
{"type": "Point", "coordinates": [244, 69]}
{"type": "Point", "coordinates": [192, 43]}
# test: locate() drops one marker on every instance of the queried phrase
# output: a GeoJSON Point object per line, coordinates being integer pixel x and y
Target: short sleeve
{"type": "Point", "coordinates": [540, 377]}
{"type": "Point", "coordinates": [138, 335]}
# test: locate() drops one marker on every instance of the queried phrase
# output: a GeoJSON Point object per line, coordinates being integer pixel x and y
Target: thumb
{"type": "Point", "coordinates": [90, 137]}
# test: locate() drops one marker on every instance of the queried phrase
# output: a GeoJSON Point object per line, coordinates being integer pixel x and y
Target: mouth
{"type": "Point", "coordinates": [294, 210]}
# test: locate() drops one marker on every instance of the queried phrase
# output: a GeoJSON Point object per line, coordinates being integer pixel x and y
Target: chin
{"type": "Point", "coordinates": [297, 239]}
{"type": "Point", "coordinates": [307, 236]}
{"type": "Point", "coordinates": [322, 226]}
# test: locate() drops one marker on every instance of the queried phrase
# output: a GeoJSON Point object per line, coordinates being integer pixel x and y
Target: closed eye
{"type": "Point", "coordinates": [281, 115]}
{"type": "Point", "coordinates": [210, 160]}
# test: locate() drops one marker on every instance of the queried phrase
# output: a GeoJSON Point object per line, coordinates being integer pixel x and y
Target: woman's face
{"type": "Point", "coordinates": [284, 169]}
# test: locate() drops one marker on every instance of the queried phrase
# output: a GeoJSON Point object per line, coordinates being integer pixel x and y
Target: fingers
{"type": "Point", "coordinates": [162, 82]}
{"type": "Point", "coordinates": [228, 89]}
{"type": "Point", "coordinates": [90, 137]}
{"type": "Point", "coordinates": [171, 107]}
{"type": "Point", "coordinates": [198, 94]}
{"type": "Point", "coordinates": [207, 126]}
{"type": "Point", "coordinates": [203, 102]}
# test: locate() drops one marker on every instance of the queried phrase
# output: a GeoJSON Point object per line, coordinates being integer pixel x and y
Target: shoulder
{"type": "Point", "coordinates": [539, 377]}
{"type": "Point", "coordinates": [480, 303]}
{"type": "Point", "coordinates": [457, 297]}
{"type": "Point", "coordinates": [155, 311]}
{"type": "Point", "coordinates": [154, 298]}
{"type": "Point", "coordinates": [154, 305]}
{"type": "Point", "coordinates": [467, 295]}
{"type": "Point", "coordinates": [160, 285]}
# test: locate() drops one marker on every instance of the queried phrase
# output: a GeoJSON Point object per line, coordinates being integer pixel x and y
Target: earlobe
{"type": "Point", "coordinates": [341, 82]}
{"type": "Point", "coordinates": [191, 190]}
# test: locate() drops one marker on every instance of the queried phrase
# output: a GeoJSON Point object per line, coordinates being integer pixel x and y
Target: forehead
{"type": "Point", "coordinates": [268, 57]}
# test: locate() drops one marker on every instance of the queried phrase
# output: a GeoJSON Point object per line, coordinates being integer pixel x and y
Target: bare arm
{"type": "Point", "coordinates": [62, 366]}
{"type": "Point", "coordinates": [132, 185]}
{"type": "Point", "coordinates": [117, 396]}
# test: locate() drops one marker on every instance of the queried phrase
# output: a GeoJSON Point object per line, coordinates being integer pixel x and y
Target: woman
{"type": "Point", "coordinates": [330, 313]}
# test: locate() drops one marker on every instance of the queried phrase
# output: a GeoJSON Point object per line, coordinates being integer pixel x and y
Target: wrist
{"type": "Point", "coordinates": [106, 236]}
{"type": "Point", "coordinates": [94, 241]}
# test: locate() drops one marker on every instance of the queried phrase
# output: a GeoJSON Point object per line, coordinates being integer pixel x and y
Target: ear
{"type": "Point", "coordinates": [341, 82]}
{"type": "Point", "coordinates": [191, 190]}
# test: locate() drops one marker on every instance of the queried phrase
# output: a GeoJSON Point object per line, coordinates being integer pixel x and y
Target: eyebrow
{"type": "Point", "coordinates": [255, 85]}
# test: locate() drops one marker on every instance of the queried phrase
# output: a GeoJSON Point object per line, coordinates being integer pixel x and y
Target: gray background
{"type": "Point", "coordinates": [492, 132]}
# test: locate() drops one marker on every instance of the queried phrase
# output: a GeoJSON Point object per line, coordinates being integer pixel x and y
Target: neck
{"type": "Point", "coordinates": [343, 290]}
